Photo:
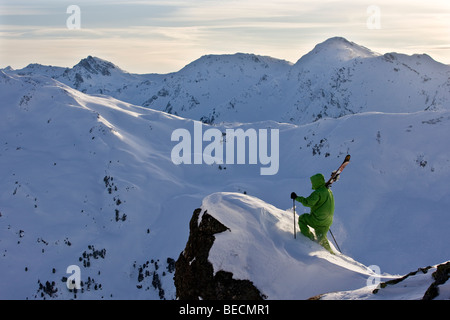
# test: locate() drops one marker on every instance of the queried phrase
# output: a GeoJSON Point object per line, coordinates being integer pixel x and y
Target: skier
{"type": "Point", "coordinates": [321, 202]}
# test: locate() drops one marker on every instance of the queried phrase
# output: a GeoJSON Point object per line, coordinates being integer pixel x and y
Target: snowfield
{"type": "Point", "coordinates": [87, 177]}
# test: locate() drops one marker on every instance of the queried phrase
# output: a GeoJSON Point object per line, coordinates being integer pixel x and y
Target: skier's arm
{"type": "Point", "coordinates": [309, 201]}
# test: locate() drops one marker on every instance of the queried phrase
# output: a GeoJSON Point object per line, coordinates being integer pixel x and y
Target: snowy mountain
{"type": "Point", "coordinates": [88, 179]}
{"type": "Point", "coordinates": [90, 75]}
{"type": "Point", "coordinates": [336, 78]}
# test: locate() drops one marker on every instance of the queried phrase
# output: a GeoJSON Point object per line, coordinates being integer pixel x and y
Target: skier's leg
{"type": "Point", "coordinates": [321, 234]}
{"type": "Point", "coordinates": [303, 224]}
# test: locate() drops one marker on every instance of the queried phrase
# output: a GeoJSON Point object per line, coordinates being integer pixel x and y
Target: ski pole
{"type": "Point", "coordinates": [335, 241]}
{"type": "Point", "coordinates": [295, 236]}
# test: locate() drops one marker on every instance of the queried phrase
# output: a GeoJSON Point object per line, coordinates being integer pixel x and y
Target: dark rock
{"type": "Point", "coordinates": [441, 275]}
{"type": "Point", "coordinates": [194, 274]}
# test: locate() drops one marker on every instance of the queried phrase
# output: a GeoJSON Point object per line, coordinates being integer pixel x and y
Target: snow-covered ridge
{"type": "Point", "coordinates": [259, 246]}
{"type": "Point", "coordinates": [336, 78]}
{"type": "Point", "coordinates": [428, 283]}
{"type": "Point", "coordinates": [252, 242]}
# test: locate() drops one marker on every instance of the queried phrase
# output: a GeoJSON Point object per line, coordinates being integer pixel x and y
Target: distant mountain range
{"type": "Point", "coordinates": [336, 78]}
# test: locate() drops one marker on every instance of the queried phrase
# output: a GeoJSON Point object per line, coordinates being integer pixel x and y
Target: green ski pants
{"type": "Point", "coordinates": [306, 220]}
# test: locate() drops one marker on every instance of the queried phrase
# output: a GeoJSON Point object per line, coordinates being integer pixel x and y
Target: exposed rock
{"type": "Point", "coordinates": [441, 275]}
{"type": "Point", "coordinates": [194, 274]}
{"type": "Point", "coordinates": [398, 280]}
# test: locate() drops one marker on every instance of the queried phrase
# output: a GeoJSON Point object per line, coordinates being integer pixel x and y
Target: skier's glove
{"type": "Point", "coordinates": [293, 195]}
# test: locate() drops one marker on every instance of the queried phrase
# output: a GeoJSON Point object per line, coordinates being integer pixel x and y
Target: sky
{"type": "Point", "coordinates": [162, 36]}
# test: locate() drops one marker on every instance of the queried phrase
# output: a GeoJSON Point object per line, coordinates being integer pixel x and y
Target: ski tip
{"type": "Point", "coordinates": [347, 158]}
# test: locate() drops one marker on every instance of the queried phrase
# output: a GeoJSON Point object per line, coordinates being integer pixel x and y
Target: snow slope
{"type": "Point", "coordinates": [259, 246]}
{"type": "Point", "coordinates": [76, 171]}
{"type": "Point", "coordinates": [88, 180]}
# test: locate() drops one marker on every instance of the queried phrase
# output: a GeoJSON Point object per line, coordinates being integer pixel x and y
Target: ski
{"type": "Point", "coordinates": [335, 174]}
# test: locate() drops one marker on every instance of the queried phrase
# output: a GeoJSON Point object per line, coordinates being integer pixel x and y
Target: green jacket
{"type": "Point", "coordinates": [321, 202]}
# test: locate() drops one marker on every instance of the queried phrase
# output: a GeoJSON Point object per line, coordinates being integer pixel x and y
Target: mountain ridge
{"type": "Point", "coordinates": [347, 78]}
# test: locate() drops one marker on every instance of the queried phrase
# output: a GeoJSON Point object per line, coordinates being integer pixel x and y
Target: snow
{"type": "Point", "coordinates": [412, 287]}
{"type": "Point", "coordinates": [334, 50]}
{"type": "Point", "coordinates": [87, 168]}
{"type": "Point", "coordinates": [259, 246]}
{"type": "Point", "coordinates": [336, 78]}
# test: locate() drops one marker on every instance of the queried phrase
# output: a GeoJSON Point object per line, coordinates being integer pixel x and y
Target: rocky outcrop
{"type": "Point", "coordinates": [440, 276]}
{"type": "Point", "coordinates": [194, 274]}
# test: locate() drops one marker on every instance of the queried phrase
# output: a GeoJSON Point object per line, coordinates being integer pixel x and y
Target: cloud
{"type": "Point", "coordinates": [185, 30]}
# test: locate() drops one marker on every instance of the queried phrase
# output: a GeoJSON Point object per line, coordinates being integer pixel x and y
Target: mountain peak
{"type": "Point", "coordinates": [337, 49]}
{"type": "Point", "coordinates": [338, 40]}
{"type": "Point", "coordinates": [96, 66]}
{"type": "Point", "coordinates": [342, 44]}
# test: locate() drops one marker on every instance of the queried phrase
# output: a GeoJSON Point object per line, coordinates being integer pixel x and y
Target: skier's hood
{"type": "Point", "coordinates": [317, 181]}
